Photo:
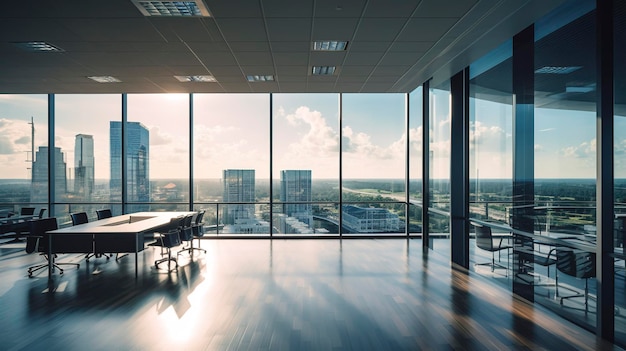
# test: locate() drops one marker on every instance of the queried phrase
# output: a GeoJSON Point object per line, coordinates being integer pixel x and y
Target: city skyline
{"type": "Point", "coordinates": [573, 149]}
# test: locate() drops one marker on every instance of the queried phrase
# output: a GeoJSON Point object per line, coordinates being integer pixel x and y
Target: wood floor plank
{"type": "Point", "coordinates": [357, 294]}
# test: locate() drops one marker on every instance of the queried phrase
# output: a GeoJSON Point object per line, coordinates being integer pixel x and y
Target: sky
{"type": "Point", "coordinates": [233, 131]}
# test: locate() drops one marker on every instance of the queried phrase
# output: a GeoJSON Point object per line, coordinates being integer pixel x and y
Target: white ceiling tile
{"type": "Point", "coordinates": [379, 29]}
{"type": "Point", "coordinates": [426, 29]}
{"type": "Point", "coordinates": [242, 29]}
{"type": "Point", "coordinates": [289, 29]}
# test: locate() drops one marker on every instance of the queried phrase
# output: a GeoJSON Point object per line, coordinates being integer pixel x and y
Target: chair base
{"type": "Point", "coordinates": [56, 265]}
{"type": "Point", "coordinates": [96, 255]}
{"type": "Point", "coordinates": [167, 259]}
{"type": "Point", "coordinates": [190, 249]}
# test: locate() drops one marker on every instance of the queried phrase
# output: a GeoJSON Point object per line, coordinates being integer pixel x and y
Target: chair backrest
{"type": "Point", "coordinates": [41, 212]}
{"type": "Point", "coordinates": [199, 217]}
{"type": "Point", "coordinates": [36, 239]}
{"type": "Point", "coordinates": [577, 264]}
{"type": "Point", "coordinates": [27, 211]}
{"type": "Point", "coordinates": [104, 213]}
{"type": "Point", "coordinates": [484, 239]}
{"type": "Point", "coordinates": [198, 229]}
{"type": "Point", "coordinates": [186, 232]}
{"type": "Point", "coordinates": [79, 218]}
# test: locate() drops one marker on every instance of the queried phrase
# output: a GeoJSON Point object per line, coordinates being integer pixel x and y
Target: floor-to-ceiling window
{"type": "Point", "coordinates": [373, 163]}
{"type": "Point", "coordinates": [491, 117]}
{"type": "Point", "coordinates": [23, 152]}
{"type": "Point", "coordinates": [415, 137]}
{"type": "Point", "coordinates": [82, 124]}
{"type": "Point", "coordinates": [157, 151]}
{"type": "Point", "coordinates": [305, 156]}
{"type": "Point", "coordinates": [231, 161]}
{"type": "Point", "coordinates": [439, 170]}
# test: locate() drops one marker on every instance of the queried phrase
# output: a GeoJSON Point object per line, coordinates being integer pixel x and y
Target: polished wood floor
{"type": "Point", "coordinates": [357, 294]}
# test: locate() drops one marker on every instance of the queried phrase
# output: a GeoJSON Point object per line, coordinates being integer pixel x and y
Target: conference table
{"type": "Point", "coordinates": [119, 234]}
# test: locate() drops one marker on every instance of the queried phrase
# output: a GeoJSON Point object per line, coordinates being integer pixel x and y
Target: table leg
{"type": "Point", "coordinates": [50, 257]}
{"type": "Point", "coordinates": [136, 254]}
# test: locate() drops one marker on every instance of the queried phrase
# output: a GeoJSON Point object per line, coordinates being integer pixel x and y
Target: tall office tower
{"type": "Point", "coordinates": [137, 161]}
{"type": "Point", "coordinates": [295, 186]}
{"type": "Point", "coordinates": [83, 166]}
{"type": "Point", "coordinates": [238, 187]}
{"type": "Point", "coordinates": [39, 186]}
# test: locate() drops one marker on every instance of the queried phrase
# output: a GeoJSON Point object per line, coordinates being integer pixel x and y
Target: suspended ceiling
{"type": "Point", "coordinates": [393, 45]}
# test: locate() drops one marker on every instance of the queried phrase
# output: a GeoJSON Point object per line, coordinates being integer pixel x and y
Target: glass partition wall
{"type": "Point", "coordinates": [491, 159]}
{"type": "Point", "coordinates": [619, 155]}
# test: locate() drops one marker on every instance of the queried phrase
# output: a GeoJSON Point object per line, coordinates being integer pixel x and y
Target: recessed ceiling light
{"type": "Point", "coordinates": [329, 45]}
{"type": "Point", "coordinates": [104, 79]}
{"type": "Point", "coordinates": [267, 78]}
{"type": "Point", "coordinates": [323, 70]}
{"type": "Point", "coordinates": [38, 46]}
{"type": "Point", "coordinates": [200, 79]}
{"type": "Point", "coordinates": [190, 8]}
{"type": "Point", "coordinates": [557, 69]}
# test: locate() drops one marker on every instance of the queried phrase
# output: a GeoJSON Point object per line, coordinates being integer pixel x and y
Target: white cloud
{"type": "Point", "coordinates": [159, 137]}
{"type": "Point", "coordinates": [583, 150]}
{"type": "Point", "coordinates": [14, 136]}
{"type": "Point", "coordinates": [318, 138]}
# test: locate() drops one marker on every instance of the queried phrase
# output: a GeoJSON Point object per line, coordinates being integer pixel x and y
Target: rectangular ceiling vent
{"type": "Point", "coordinates": [199, 79]}
{"type": "Point", "coordinates": [329, 45]}
{"type": "Point", "coordinates": [323, 70]}
{"type": "Point", "coordinates": [260, 78]}
{"type": "Point", "coordinates": [191, 8]}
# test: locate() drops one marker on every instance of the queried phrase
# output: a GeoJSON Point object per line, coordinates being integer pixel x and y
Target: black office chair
{"type": "Point", "coordinates": [37, 241]}
{"type": "Point", "coordinates": [187, 233]}
{"type": "Point", "coordinates": [41, 213]}
{"type": "Point", "coordinates": [578, 264]}
{"type": "Point", "coordinates": [167, 241]}
{"type": "Point", "coordinates": [198, 229]}
{"type": "Point", "coordinates": [81, 218]}
{"type": "Point", "coordinates": [27, 211]}
{"type": "Point", "coordinates": [485, 241]}
{"type": "Point", "coordinates": [104, 214]}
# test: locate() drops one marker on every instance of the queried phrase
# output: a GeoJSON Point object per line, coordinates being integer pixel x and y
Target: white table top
{"type": "Point", "coordinates": [129, 223]}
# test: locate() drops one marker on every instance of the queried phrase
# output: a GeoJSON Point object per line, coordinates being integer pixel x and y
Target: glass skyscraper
{"type": "Point", "coordinates": [238, 188]}
{"type": "Point", "coordinates": [295, 186]}
{"type": "Point", "coordinates": [137, 161]}
{"type": "Point", "coordinates": [83, 166]}
{"type": "Point", "coordinates": [39, 188]}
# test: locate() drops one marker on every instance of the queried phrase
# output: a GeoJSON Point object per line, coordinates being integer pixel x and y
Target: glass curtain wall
{"type": "Point", "coordinates": [305, 137]}
{"type": "Point", "coordinates": [23, 153]}
{"type": "Point", "coordinates": [373, 163]}
{"type": "Point", "coordinates": [157, 153]}
{"type": "Point", "coordinates": [82, 134]}
{"type": "Point", "coordinates": [439, 172]}
{"type": "Point", "coordinates": [619, 155]}
{"type": "Point", "coordinates": [231, 162]}
{"type": "Point", "coordinates": [491, 159]}
{"type": "Point", "coordinates": [415, 160]}
{"type": "Point", "coordinates": [565, 157]}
